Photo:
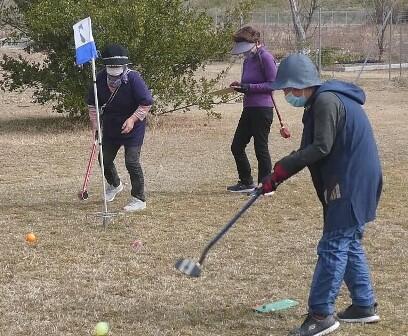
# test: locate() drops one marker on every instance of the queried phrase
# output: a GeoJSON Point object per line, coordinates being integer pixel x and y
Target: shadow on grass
{"type": "Point", "coordinates": [39, 125]}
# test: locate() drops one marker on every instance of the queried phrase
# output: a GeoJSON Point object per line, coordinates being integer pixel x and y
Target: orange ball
{"type": "Point", "coordinates": [31, 238]}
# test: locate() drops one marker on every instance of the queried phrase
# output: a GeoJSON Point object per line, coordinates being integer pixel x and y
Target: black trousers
{"type": "Point", "coordinates": [132, 162]}
{"type": "Point", "coordinates": [254, 122]}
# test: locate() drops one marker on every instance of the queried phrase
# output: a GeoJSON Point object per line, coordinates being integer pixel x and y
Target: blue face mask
{"type": "Point", "coordinates": [295, 101]}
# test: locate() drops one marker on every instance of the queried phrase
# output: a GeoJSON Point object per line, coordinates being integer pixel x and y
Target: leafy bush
{"type": "Point", "coordinates": [167, 40]}
{"type": "Point", "coordinates": [332, 55]}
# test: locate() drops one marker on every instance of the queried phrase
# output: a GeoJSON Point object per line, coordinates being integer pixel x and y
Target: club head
{"type": "Point", "coordinates": [284, 132]}
{"type": "Point", "coordinates": [83, 195]}
{"type": "Point", "coordinates": [189, 267]}
{"type": "Point", "coordinates": [255, 193]}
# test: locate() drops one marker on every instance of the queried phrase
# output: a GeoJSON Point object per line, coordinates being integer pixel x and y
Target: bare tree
{"type": "Point", "coordinates": [297, 24]}
{"type": "Point", "coordinates": [379, 12]}
{"type": "Point", "coordinates": [302, 15]}
{"type": "Point", "coordinates": [307, 17]}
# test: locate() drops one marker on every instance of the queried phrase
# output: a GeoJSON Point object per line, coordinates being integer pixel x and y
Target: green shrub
{"type": "Point", "coordinates": [332, 55]}
{"type": "Point", "coordinates": [168, 43]}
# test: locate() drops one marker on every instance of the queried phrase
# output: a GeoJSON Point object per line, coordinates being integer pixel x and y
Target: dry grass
{"type": "Point", "coordinates": [80, 274]}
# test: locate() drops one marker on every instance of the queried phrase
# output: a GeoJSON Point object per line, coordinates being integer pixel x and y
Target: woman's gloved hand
{"type": "Point", "coordinates": [235, 84]}
{"type": "Point", "coordinates": [270, 183]}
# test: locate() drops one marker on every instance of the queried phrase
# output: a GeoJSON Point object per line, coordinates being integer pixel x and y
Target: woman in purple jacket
{"type": "Point", "coordinates": [258, 73]}
{"type": "Point", "coordinates": [125, 100]}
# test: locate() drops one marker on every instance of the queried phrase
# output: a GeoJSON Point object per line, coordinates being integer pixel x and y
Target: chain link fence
{"type": "Point", "coordinates": [329, 17]}
{"type": "Point", "coordinates": [336, 37]}
{"type": "Point", "coordinates": [399, 44]}
{"type": "Point", "coordinates": [346, 30]}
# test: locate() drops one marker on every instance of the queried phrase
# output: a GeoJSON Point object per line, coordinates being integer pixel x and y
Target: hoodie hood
{"type": "Point", "coordinates": [349, 90]}
{"type": "Point", "coordinates": [296, 71]}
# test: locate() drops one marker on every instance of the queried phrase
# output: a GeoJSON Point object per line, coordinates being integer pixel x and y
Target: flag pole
{"type": "Point", "coordinates": [85, 50]}
{"type": "Point", "coordinates": [105, 213]}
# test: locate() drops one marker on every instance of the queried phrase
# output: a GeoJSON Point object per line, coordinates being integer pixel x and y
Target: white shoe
{"type": "Point", "coordinates": [135, 204]}
{"type": "Point", "coordinates": [269, 193]}
{"type": "Point", "coordinates": [112, 191]}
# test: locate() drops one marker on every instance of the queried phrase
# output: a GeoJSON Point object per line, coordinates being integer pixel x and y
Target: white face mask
{"type": "Point", "coordinates": [114, 71]}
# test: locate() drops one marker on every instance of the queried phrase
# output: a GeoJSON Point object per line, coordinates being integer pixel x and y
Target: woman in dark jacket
{"type": "Point", "coordinates": [124, 100]}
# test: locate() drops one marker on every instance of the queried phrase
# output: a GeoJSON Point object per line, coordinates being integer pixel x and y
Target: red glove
{"type": "Point", "coordinates": [271, 182]}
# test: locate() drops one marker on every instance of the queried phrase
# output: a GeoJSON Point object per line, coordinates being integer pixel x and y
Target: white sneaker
{"type": "Point", "coordinates": [112, 191]}
{"type": "Point", "coordinates": [135, 204]}
{"type": "Point", "coordinates": [269, 193]}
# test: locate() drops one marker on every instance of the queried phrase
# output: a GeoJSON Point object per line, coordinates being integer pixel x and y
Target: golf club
{"type": "Point", "coordinates": [284, 131]}
{"type": "Point", "coordinates": [192, 268]}
{"type": "Point", "coordinates": [83, 194]}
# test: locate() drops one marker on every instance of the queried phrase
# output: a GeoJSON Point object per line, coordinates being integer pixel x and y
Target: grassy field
{"type": "Point", "coordinates": [79, 273]}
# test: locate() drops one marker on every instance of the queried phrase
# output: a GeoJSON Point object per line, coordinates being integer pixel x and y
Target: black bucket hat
{"type": "Point", "coordinates": [115, 54]}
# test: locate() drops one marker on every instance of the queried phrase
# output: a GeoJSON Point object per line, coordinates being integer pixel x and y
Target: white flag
{"type": "Point", "coordinates": [84, 42]}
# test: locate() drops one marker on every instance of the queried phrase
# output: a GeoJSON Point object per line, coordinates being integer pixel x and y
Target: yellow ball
{"type": "Point", "coordinates": [101, 329]}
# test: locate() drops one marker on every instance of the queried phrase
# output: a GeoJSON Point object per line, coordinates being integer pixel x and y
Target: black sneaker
{"type": "Point", "coordinates": [358, 314]}
{"type": "Point", "coordinates": [315, 327]}
{"type": "Point", "coordinates": [241, 188]}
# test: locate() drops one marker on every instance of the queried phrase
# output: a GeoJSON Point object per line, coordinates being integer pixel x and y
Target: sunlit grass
{"type": "Point", "coordinates": [80, 274]}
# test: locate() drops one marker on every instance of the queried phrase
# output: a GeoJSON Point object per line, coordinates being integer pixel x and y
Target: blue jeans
{"type": "Point", "coordinates": [341, 257]}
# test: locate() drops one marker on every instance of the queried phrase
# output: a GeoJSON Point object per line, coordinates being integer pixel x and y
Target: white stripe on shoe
{"type": "Point", "coordinates": [328, 330]}
{"type": "Point", "coordinates": [368, 319]}
{"type": "Point", "coordinates": [242, 190]}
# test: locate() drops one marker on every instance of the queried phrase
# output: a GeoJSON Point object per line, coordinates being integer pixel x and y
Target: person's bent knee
{"type": "Point", "coordinates": [133, 165]}
{"type": "Point", "coordinates": [237, 150]}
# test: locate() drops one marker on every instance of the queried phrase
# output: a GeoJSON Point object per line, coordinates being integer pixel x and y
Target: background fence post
{"type": "Point", "coordinates": [400, 45]}
{"type": "Point", "coordinates": [320, 41]}
{"type": "Point", "coordinates": [390, 48]}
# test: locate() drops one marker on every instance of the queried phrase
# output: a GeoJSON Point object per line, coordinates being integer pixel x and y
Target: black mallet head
{"type": "Point", "coordinates": [83, 195]}
{"type": "Point", "coordinates": [189, 267]}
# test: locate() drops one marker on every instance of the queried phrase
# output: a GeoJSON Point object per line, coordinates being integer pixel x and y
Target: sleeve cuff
{"type": "Point", "coordinates": [141, 112]}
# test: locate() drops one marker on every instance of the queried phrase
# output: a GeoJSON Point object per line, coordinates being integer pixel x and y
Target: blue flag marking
{"type": "Point", "coordinates": [86, 52]}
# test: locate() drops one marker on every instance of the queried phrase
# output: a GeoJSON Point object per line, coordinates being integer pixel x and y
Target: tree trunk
{"type": "Point", "coordinates": [313, 5]}
{"type": "Point", "coordinates": [381, 17]}
{"type": "Point", "coordinates": [297, 24]}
